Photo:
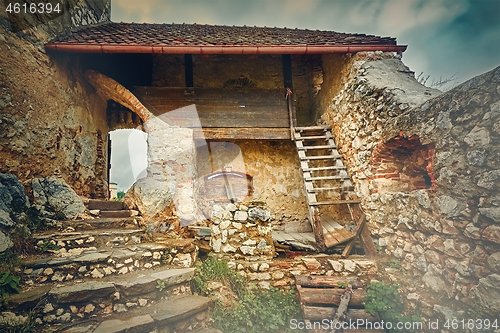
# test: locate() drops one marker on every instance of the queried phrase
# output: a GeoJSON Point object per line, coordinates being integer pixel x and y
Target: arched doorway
{"type": "Point", "coordinates": [128, 158]}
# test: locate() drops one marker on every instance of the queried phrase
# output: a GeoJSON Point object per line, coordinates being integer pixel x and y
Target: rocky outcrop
{"type": "Point", "coordinates": [13, 203]}
{"type": "Point", "coordinates": [12, 199]}
{"type": "Point", "coordinates": [56, 196]}
{"type": "Point", "coordinates": [152, 198]}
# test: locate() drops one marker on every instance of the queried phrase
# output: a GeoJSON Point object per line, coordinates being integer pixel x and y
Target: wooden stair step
{"type": "Point", "coordinates": [333, 202]}
{"type": "Point", "coordinates": [312, 128]}
{"type": "Point", "coordinates": [336, 188]}
{"type": "Point", "coordinates": [303, 240]}
{"type": "Point", "coordinates": [322, 157]}
{"type": "Point", "coordinates": [317, 147]}
{"type": "Point", "coordinates": [314, 137]}
{"type": "Point", "coordinates": [331, 167]}
{"type": "Point", "coordinates": [326, 178]}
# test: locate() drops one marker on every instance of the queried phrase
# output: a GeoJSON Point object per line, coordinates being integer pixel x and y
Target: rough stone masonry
{"type": "Point", "coordinates": [446, 229]}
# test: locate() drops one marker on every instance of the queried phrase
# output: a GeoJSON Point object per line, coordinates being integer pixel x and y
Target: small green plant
{"type": "Point", "coordinates": [259, 311]}
{"type": "Point", "coordinates": [34, 220]}
{"type": "Point", "coordinates": [48, 245]}
{"type": "Point", "coordinates": [165, 257]}
{"type": "Point", "coordinates": [22, 242]}
{"type": "Point", "coordinates": [9, 261]}
{"type": "Point", "coordinates": [28, 326]}
{"type": "Point", "coordinates": [8, 284]}
{"type": "Point", "coordinates": [119, 196]}
{"type": "Point", "coordinates": [59, 215]}
{"type": "Point", "coordinates": [395, 263]}
{"type": "Point", "coordinates": [215, 269]}
{"type": "Point", "coordinates": [160, 285]}
{"type": "Point", "coordinates": [384, 300]}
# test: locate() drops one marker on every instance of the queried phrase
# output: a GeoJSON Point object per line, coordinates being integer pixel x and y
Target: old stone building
{"type": "Point", "coordinates": [234, 117]}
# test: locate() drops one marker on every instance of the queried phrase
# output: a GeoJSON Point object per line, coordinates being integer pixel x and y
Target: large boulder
{"type": "Point", "coordinates": [12, 199]}
{"type": "Point", "coordinates": [488, 293]}
{"type": "Point", "coordinates": [57, 196]}
{"type": "Point", "coordinates": [150, 197]}
{"type": "Point", "coordinates": [5, 242]}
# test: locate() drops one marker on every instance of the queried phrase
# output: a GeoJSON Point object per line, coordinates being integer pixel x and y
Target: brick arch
{"type": "Point", "coordinates": [108, 89]}
{"type": "Point", "coordinates": [402, 164]}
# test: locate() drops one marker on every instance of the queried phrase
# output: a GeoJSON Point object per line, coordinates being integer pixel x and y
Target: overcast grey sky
{"type": "Point", "coordinates": [444, 37]}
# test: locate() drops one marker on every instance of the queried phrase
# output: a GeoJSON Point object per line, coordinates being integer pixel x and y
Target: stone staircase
{"type": "Point", "coordinates": [106, 275]}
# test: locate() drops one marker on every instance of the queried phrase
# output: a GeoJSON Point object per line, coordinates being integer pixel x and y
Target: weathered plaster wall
{"type": "Point", "coordinates": [51, 121]}
{"type": "Point", "coordinates": [275, 169]}
{"type": "Point", "coordinates": [238, 71]}
{"type": "Point", "coordinates": [438, 211]}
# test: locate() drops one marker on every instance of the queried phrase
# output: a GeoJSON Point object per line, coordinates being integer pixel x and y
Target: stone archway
{"type": "Point", "coordinates": [171, 171]}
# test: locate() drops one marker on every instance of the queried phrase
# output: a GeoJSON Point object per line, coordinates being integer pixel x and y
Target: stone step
{"type": "Point", "coordinates": [95, 238]}
{"type": "Point", "coordinates": [105, 223]}
{"type": "Point", "coordinates": [157, 315]}
{"type": "Point", "coordinates": [116, 213]}
{"type": "Point", "coordinates": [91, 263]}
{"type": "Point", "coordinates": [104, 205]}
{"type": "Point", "coordinates": [75, 301]}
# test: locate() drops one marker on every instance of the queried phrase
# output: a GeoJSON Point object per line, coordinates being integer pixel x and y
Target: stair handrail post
{"type": "Point", "coordinates": [291, 112]}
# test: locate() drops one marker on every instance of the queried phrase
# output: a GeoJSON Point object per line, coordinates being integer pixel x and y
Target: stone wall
{"type": "Point", "coordinates": [274, 167]}
{"type": "Point", "coordinates": [427, 173]}
{"type": "Point", "coordinates": [51, 121]}
{"type": "Point", "coordinates": [50, 118]}
{"type": "Point", "coordinates": [242, 230]}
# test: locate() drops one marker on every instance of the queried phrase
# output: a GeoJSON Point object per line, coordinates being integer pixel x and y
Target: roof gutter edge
{"type": "Point", "coordinates": [214, 49]}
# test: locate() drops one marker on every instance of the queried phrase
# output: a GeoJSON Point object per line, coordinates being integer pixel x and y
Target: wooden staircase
{"type": "Point", "coordinates": [326, 182]}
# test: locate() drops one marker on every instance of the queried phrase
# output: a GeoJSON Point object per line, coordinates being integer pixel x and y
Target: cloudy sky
{"type": "Point", "coordinates": [444, 37]}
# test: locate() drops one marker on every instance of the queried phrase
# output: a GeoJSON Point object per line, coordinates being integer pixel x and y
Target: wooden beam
{"type": "Point", "coordinates": [241, 133]}
{"type": "Point", "coordinates": [357, 232]}
{"type": "Point", "coordinates": [319, 313]}
{"type": "Point", "coordinates": [368, 245]}
{"type": "Point", "coordinates": [330, 296]}
{"type": "Point", "coordinates": [318, 281]}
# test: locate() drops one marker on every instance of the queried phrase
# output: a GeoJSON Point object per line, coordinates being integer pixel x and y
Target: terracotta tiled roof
{"type": "Point", "coordinates": [199, 35]}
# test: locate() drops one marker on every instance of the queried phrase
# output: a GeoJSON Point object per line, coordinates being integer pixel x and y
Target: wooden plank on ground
{"type": "Point", "coordinates": [277, 236]}
{"type": "Point", "coordinates": [319, 281]}
{"type": "Point", "coordinates": [330, 296]}
{"type": "Point", "coordinates": [314, 313]}
{"type": "Point", "coordinates": [334, 202]}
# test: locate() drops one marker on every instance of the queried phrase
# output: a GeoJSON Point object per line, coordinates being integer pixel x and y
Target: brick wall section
{"type": "Point", "coordinates": [401, 164]}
